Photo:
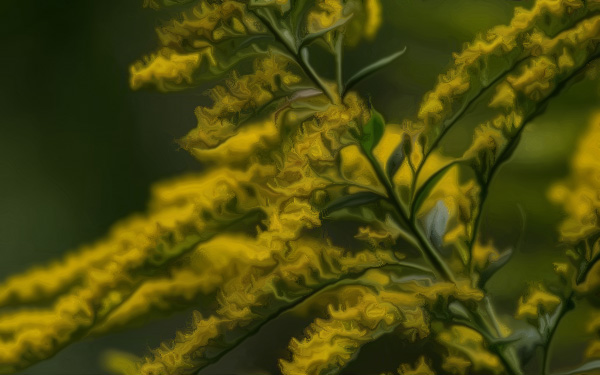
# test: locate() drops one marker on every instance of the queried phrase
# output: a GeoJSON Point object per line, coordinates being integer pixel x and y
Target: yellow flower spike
{"type": "Point", "coordinates": [578, 193]}
{"type": "Point", "coordinates": [373, 18]}
{"type": "Point", "coordinates": [469, 345]}
{"type": "Point", "coordinates": [207, 268]}
{"type": "Point", "coordinates": [128, 243]}
{"type": "Point", "coordinates": [248, 141]}
{"type": "Point", "coordinates": [365, 312]}
{"type": "Point", "coordinates": [256, 291]}
{"type": "Point", "coordinates": [518, 39]}
{"type": "Point", "coordinates": [167, 69]}
{"type": "Point", "coordinates": [331, 343]}
{"type": "Point", "coordinates": [201, 22]}
{"type": "Point", "coordinates": [536, 78]}
{"type": "Point", "coordinates": [113, 269]}
{"type": "Point", "coordinates": [240, 96]}
{"type": "Point", "coordinates": [537, 300]}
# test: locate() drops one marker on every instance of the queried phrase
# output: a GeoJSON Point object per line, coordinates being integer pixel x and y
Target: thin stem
{"type": "Point", "coordinates": [329, 285]}
{"type": "Point", "coordinates": [429, 252]}
{"type": "Point", "coordinates": [301, 59]}
{"type": "Point", "coordinates": [454, 119]}
{"type": "Point", "coordinates": [564, 308]}
{"type": "Point", "coordinates": [504, 156]}
{"type": "Point", "coordinates": [510, 363]}
{"type": "Point", "coordinates": [339, 44]}
{"type": "Point", "coordinates": [512, 143]}
{"type": "Point", "coordinates": [312, 73]}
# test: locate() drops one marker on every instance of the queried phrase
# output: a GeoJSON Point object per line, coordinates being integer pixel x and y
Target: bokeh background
{"type": "Point", "coordinates": [79, 151]}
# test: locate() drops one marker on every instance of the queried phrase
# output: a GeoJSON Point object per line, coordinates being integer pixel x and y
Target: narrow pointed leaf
{"type": "Point", "coordinates": [397, 157]}
{"type": "Point", "coordinates": [427, 187]}
{"type": "Point", "coordinates": [353, 200]}
{"type": "Point", "coordinates": [370, 69]}
{"type": "Point", "coordinates": [372, 132]}
{"type": "Point", "coordinates": [494, 267]}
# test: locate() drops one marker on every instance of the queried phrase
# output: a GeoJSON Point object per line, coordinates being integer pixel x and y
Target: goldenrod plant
{"type": "Point", "coordinates": [311, 202]}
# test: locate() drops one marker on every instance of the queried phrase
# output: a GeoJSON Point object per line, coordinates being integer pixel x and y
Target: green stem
{"type": "Point", "coordinates": [313, 74]}
{"type": "Point", "coordinates": [564, 308]}
{"type": "Point", "coordinates": [299, 57]}
{"type": "Point", "coordinates": [504, 156]}
{"type": "Point", "coordinates": [339, 44]}
{"type": "Point", "coordinates": [254, 330]}
{"type": "Point", "coordinates": [449, 123]}
{"type": "Point", "coordinates": [429, 252]}
{"type": "Point", "coordinates": [506, 153]}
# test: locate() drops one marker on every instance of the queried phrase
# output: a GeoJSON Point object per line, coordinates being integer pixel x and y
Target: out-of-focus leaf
{"type": "Point", "coordinates": [486, 274]}
{"type": "Point", "coordinates": [435, 223]}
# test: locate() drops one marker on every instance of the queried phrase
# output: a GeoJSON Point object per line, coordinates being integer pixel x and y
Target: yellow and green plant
{"type": "Point", "coordinates": [310, 201]}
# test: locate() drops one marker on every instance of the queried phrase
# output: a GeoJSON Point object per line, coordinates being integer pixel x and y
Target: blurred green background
{"type": "Point", "coordinates": [79, 150]}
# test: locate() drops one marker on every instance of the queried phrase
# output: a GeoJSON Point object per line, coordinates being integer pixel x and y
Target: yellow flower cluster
{"type": "Point", "coordinates": [86, 287]}
{"type": "Point", "coordinates": [239, 98]}
{"type": "Point", "coordinates": [517, 95]}
{"type": "Point", "coordinates": [500, 43]}
{"type": "Point", "coordinates": [167, 69]}
{"type": "Point", "coordinates": [208, 22]}
{"type": "Point", "coordinates": [256, 291]}
{"type": "Point", "coordinates": [578, 194]}
{"type": "Point", "coordinates": [190, 50]}
{"type": "Point", "coordinates": [537, 301]}
{"type": "Point", "coordinates": [378, 306]}
{"type": "Point", "coordinates": [250, 229]}
{"type": "Point", "coordinates": [467, 352]}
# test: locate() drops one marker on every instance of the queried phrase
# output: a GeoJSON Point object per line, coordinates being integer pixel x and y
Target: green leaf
{"type": "Point", "coordinates": [486, 274]}
{"type": "Point", "coordinates": [370, 69]}
{"type": "Point", "coordinates": [400, 152]}
{"type": "Point", "coordinates": [427, 187]}
{"type": "Point", "coordinates": [352, 200]}
{"type": "Point", "coordinates": [372, 132]}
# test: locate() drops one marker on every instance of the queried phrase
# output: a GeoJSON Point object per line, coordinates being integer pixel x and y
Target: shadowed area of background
{"type": "Point", "coordinates": [79, 150]}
